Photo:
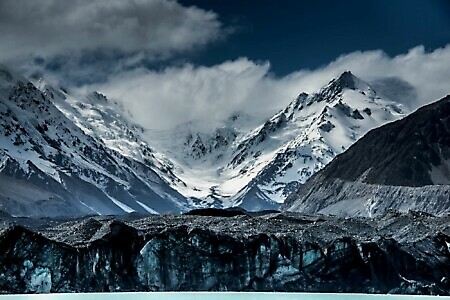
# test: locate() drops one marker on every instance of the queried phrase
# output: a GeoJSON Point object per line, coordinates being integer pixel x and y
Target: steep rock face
{"type": "Point", "coordinates": [402, 165]}
{"type": "Point", "coordinates": [399, 253]}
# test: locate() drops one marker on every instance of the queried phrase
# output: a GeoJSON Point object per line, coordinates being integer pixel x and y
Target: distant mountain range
{"type": "Point", "coordinates": [67, 154]}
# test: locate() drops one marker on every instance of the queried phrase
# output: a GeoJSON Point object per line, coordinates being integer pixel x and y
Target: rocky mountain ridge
{"type": "Point", "coordinates": [126, 168]}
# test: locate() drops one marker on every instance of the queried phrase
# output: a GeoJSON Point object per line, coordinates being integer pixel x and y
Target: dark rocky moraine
{"type": "Point", "coordinates": [214, 251]}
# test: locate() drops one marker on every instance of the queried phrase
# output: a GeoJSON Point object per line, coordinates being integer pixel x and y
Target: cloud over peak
{"type": "Point", "coordinates": [175, 95]}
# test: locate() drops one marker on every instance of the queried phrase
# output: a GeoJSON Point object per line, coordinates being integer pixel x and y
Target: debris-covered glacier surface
{"type": "Point", "coordinates": [216, 250]}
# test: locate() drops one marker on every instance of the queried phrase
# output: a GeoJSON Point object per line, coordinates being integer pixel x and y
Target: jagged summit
{"type": "Point", "coordinates": [347, 80]}
{"type": "Point", "coordinates": [339, 85]}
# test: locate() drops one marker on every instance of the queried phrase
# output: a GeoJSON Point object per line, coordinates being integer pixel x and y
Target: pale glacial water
{"type": "Point", "coordinates": [216, 296]}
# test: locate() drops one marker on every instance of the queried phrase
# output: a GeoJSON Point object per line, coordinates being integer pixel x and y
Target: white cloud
{"type": "Point", "coordinates": [427, 72]}
{"type": "Point", "coordinates": [208, 94]}
{"type": "Point", "coordinates": [162, 99]}
{"type": "Point", "coordinates": [51, 28]}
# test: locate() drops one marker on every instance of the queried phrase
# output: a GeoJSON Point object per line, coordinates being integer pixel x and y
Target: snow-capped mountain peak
{"type": "Point", "coordinates": [394, 167]}
{"type": "Point", "coordinates": [308, 134]}
{"type": "Point", "coordinates": [258, 168]}
{"type": "Point", "coordinates": [348, 80]}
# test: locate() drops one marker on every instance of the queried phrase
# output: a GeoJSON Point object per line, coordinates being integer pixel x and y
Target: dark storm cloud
{"type": "Point", "coordinates": [52, 33]}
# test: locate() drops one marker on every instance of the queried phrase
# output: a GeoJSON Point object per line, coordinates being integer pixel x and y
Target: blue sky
{"type": "Point", "coordinates": [175, 61]}
{"type": "Point", "coordinates": [307, 34]}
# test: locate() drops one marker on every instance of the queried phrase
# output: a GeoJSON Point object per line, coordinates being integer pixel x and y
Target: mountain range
{"type": "Point", "coordinates": [258, 168]}
{"type": "Point", "coordinates": [345, 150]}
{"type": "Point", "coordinates": [70, 154]}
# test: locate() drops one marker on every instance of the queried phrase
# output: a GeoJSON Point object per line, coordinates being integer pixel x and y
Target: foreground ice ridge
{"type": "Point", "coordinates": [214, 250]}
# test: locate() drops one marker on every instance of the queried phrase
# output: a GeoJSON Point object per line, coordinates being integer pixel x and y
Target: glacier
{"type": "Point", "coordinates": [216, 250]}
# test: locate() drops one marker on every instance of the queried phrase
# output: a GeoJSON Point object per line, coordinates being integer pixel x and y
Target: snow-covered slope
{"type": "Point", "coordinates": [199, 160]}
{"type": "Point", "coordinates": [51, 165]}
{"type": "Point", "coordinates": [103, 119]}
{"type": "Point", "coordinates": [258, 168]}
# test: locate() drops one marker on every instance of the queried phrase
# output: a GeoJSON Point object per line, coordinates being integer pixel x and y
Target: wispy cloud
{"type": "Point", "coordinates": [163, 99]}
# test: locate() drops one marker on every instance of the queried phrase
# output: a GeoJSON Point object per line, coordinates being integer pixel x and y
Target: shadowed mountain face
{"type": "Point", "coordinates": [228, 251]}
{"type": "Point", "coordinates": [402, 165]}
{"type": "Point", "coordinates": [410, 152]}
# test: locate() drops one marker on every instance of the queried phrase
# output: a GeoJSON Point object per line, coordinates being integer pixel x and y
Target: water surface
{"type": "Point", "coordinates": [216, 296]}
